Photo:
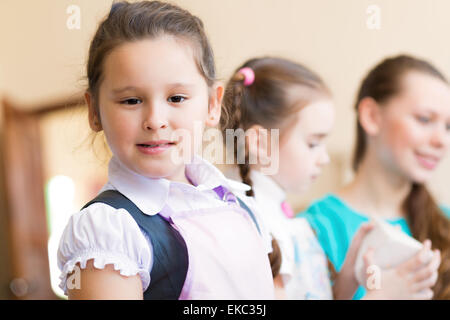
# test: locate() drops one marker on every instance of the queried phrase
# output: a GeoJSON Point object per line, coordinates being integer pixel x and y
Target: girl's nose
{"type": "Point", "coordinates": [440, 137]}
{"type": "Point", "coordinates": [155, 118]}
{"type": "Point", "coordinates": [324, 158]}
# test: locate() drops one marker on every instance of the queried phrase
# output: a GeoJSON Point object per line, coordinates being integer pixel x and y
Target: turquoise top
{"type": "Point", "coordinates": [336, 223]}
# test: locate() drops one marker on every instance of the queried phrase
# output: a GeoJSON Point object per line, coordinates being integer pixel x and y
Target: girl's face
{"type": "Point", "coordinates": [414, 127]}
{"type": "Point", "coordinates": [303, 151]}
{"type": "Point", "coordinates": [152, 88]}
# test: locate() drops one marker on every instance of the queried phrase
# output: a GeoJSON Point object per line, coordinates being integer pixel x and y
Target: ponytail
{"type": "Point", "coordinates": [427, 221]}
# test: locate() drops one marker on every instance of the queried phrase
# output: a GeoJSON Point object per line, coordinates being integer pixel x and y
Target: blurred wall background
{"type": "Point", "coordinates": [42, 60]}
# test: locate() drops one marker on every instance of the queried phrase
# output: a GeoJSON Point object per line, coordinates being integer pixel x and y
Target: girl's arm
{"type": "Point", "coordinates": [105, 284]}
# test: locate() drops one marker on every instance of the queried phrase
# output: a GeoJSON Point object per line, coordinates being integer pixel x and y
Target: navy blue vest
{"type": "Point", "coordinates": [170, 255]}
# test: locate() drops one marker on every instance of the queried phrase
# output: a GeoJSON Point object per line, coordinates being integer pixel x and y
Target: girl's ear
{"type": "Point", "coordinates": [94, 121]}
{"type": "Point", "coordinates": [369, 116]}
{"type": "Point", "coordinates": [215, 105]}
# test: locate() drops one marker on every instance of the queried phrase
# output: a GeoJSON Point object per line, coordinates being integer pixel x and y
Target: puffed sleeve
{"type": "Point", "coordinates": [109, 236]}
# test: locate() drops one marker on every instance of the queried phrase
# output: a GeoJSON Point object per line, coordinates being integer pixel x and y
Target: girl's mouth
{"type": "Point", "coordinates": [155, 147]}
{"type": "Point", "coordinates": [427, 161]}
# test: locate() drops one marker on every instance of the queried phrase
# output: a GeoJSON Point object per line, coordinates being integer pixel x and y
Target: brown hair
{"type": "Point", "coordinates": [424, 216]}
{"type": "Point", "coordinates": [269, 102]}
{"type": "Point", "coordinates": [129, 22]}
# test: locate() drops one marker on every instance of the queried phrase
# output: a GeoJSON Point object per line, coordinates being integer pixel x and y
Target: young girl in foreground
{"type": "Point", "coordinates": [160, 228]}
{"type": "Point", "coordinates": [403, 132]}
{"type": "Point", "coordinates": [273, 93]}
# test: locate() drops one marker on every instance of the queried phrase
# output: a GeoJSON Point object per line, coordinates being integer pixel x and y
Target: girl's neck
{"type": "Point", "coordinates": [376, 190]}
{"type": "Point", "coordinates": [180, 176]}
{"type": "Point", "coordinates": [258, 168]}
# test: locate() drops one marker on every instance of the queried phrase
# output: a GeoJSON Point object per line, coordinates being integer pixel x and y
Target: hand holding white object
{"type": "Point", "coordinates": [410, 280]}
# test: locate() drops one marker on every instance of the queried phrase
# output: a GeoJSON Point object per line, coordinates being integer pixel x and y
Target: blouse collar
{"type": "Point", "coordinates": [265, 187]}
{"type": "Point", "coordinates": [150, 195]}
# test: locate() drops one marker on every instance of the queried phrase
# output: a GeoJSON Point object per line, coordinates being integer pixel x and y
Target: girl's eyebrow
{"type": "Point", "coordinates": [319, 135]}
{"type": "Point", "coordinates": [427, 109]}
{"type": "Point", "coordinates": [171, 85]}
{"type": "Point", "coordinates": [127, 88]}
{"type": "Point", "coordinates": [180, 84]}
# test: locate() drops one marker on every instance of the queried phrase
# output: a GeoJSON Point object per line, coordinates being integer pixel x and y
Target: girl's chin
{"type": "Point", "coordinates": [166, 172]}
{"type": "Point", "coordinates": [299, 188]}
{"type": "Point", "coordinates": [420, 176]}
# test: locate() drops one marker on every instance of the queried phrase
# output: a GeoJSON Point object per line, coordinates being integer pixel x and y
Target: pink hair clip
{"type": "Point", "coordinates": [249, 75]}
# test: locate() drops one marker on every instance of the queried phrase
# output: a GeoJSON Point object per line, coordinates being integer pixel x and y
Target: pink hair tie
{"type": "Point", "coordinates": [249, 75]}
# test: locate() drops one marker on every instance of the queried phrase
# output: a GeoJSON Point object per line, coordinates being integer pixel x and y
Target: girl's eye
{"type": "Point", "coordinates": [448, 127]}
{"type": "Point", "coordinates": [131, 101]}
{"type": "Point", "coordinates": [176, 99]}
{"type": "Point", "coordinates": [313, 145]}
{"type": "Point", "coordinates": [423, 119]}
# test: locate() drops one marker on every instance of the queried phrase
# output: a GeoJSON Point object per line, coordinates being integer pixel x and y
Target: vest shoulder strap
{"type": "Point", "coordinates": [170, 256]}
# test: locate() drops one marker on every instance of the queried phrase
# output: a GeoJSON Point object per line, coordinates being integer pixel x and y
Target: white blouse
{"type": "Point", "coordinates": [112, 236]}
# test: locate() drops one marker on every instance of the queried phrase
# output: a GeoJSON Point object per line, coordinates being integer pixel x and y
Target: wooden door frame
{"type": "Point", "coordinates": [22, 202]}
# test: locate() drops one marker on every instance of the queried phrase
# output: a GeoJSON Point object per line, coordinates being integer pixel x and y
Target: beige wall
{"type": "Point", "coordinates": [41, 59]}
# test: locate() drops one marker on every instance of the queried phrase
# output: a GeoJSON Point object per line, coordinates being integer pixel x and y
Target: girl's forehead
{"type": "Point", "coordinates": [318, 116]}
{"type": "Point", "coordinates": [152, 61]}
{"type": "Point", "coordinates": [420, 92]}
